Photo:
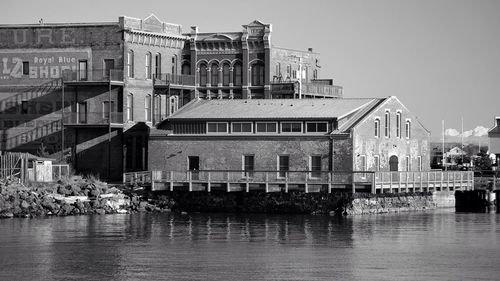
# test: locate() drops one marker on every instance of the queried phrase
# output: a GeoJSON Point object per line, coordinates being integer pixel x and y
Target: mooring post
{"type": "Point", "coordinates": [171, 182]}
{"type": "Point", "coordinates": [286, 182]}
{"type": "Point", "coordinates": [267, 182]}
{"type": "Point", "coordinates": [209, 188]}
{"type": "Point", "coordinates": [374, 190]}
{"type": "Point", "coordinates": [329, 182]}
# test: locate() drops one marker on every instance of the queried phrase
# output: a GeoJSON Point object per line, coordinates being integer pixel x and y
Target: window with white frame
{"type": "Point", "coordinates": [291, 127]}
{"type": "Point", "coordinates": [130, 64]}
{"type": "Point", "coordinates": [376, 163]}
{"type": "Point", "coordinates": [267, 127]}
{"type": "Point", "coordinates": [398, 124]}
{"type": "Point", "coordinates": [148, 65]}
{"type": "Point", "coordinates": [408, 129]}
{"type": "Point", "coordinates": [377, 128]}
{"type": "Point", "coordinates": [147, 108]}
{"type": "Point", "coordinates": [317, 127]}
{"type": "Point", "coordinates": [241, 127]}
{"type": "Point", "coordinates": [408, 163]}
{"type": "Point", "coordinates": [107, 109]}
{"type": "Point", "coordinates": [387, 124]}
{"type": "Point", "coordinates": [216, 127]}
{"type": "Point", "coordinates": [130, 107]}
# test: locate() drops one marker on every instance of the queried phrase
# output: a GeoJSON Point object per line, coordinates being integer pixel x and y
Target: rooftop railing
{"type": "Point", "coordinates": [322, 89]}
{"type": "Point", "coordinates": [92, 118]}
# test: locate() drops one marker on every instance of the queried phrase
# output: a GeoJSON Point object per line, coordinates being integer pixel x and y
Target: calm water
{"type": "Point", "coordinates": [437, 245]}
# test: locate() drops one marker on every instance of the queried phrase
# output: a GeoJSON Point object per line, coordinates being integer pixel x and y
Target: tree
{"type": "Point", "coordinates": [482, 161]}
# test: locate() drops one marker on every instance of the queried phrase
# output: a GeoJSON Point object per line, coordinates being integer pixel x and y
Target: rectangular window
{"type": "Point", "coordinates": [283, 165]}
{"type": "Point", "coordinates": [82, 70]}
{"type": "Point", "coordinates": [216, 127]}
{"type": "Point", "coordinates": [377, 128]}
{"type": "Point", "coordinates": [419, 158]}
{"type": "Point", "coordinates": [109, 64]}
{"type": "Point", "coordinates": [26, 67]}
{"type": "Point", "coordinates": [148, 66]}
{"type": "Point", "coordinates": [241, 127]}
{"type": "Point", "coordinates": [82, 112]}
{"type": "Point", "coordinates": [291, 127]}
{"type": "Point", "coordinates": [376, 163]}
{"type": "Point", "coordinates": [147, 108]}
{"type": "Point", "coordinates": [387, 124]}
{"type": "Point", "coordinates": [130, 64]}
{"type": "Point", "coordinates": [266, 127]}
{"type": "Point", "coordinates": [317, 127]}
{"type": "Point", "coordinates": [408, 163]}
{"type": "Point", "coordinates": [106, 109]}
{"type": "Point", "coordinates": [315, 166]}
{"type": "Point", "coordinates": [248, 165]}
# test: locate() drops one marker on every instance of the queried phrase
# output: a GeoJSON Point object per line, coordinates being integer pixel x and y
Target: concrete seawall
{"type": "Point", "coordinates": [336, 203]}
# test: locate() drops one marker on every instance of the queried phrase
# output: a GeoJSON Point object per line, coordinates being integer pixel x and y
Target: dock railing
{"type": "Point", "coordinates": [308, 181]}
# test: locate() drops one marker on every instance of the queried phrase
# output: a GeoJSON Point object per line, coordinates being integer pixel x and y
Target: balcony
{"type": "Point", "coordinates": [93, 119]}
{"type": "Point", "coordinates": [307, 89]}
{"type": "Point", "coordinates": [174, 80]}
{"type": "Point", "coordinates": [115, 76]}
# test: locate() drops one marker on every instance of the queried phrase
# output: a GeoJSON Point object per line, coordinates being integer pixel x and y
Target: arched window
{"type": "Point", "coordinates": [315, 74]}
{"type": "Point", "coordinates": [408, 129]}
{"type": "Point", "coordinates": [158, 66]}
{"type": "Point", "coordinates": [186, 69]}
{"type": "Point", "coordinates": [277, 72]}
{"type": "Point", "coordinates": [148, 65]}
{"type": "Point", "coordinates": [377, 127]}
{"type": "Point", "coordinates": [398, 124]}
{"type": "Point", "coordinates": [225, 75]}
{"type": "Point", "coordinates": [387, 124]}
{"type": "Point", "coordinates": [130, 64]}
{"type": "Point", "coordinates": [237, 74]}
{"type": "Point", "coordinates": [203, 75]}
{"type": "Point", "coordinates": [214, 70]}
{"type": "Point", "coordinates": [130, 107]}
{"type": "Point", "coordinates": [257, 75]}
{"type": "Point", "coordinates": [174, 64]}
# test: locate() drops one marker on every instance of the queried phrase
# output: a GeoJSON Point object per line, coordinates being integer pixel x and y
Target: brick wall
{"type": "Point", "coordinates": [365, 143]}
{"type": "Point", "coordinates": [216, 153]}
{"type": "Point", "coordinates": [286, 57]}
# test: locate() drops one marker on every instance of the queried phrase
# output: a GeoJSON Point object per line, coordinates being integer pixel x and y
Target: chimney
{"type": "Point", "coordinates": [194, 29]}
{"type": "Point", "coordinates": [310, 49]}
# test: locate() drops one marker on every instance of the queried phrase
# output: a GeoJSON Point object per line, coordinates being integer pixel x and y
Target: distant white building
{"type": "Point", "coordinates": [494, 139]}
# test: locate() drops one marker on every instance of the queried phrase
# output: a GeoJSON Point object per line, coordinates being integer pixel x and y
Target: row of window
{"type": "Point", "coordinates": [210, 75]}
{"type": "Point", "coordinates": [282, 165]}
{"type": "Point", "coordinates": [294, 73]}
{"type": "Point", "coordinates": [171, 106]}
{"type": "Point", "coordinates": [376, 163]}
{"type": "Point", "coordinates": [266, 127]}
{"type": "Point", "coordinates": [149, 65]}
{"type": "Point", "coordinates": [387, 126]}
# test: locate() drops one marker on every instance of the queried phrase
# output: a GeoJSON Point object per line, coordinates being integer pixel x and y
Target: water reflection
{"type": "Point", "coordinates": [250, 247]}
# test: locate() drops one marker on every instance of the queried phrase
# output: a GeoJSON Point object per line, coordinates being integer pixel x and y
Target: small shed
{"type": "Point", "coordinates": [39, 168]}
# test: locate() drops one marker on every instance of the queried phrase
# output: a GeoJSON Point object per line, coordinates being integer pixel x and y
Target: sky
{"type": "Point", "coordinates": [441, 58]}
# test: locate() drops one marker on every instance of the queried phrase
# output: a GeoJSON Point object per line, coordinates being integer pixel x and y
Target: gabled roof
{"type": "Point", "coordinates": [277, 109]}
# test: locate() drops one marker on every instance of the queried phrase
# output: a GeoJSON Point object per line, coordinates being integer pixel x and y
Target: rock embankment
{"type": "Point", "coordinates": [71, 196]}
{"type": "Point", "coordinates": [365, 203]}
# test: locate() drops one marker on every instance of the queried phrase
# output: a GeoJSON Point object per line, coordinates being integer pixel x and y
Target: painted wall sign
{"type": "Point", "coordinates": [39, 64]}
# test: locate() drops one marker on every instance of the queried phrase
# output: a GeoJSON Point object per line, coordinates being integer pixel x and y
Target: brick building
{"type": "Point", "coordinates": [291, 135]}
{"type": "Point", "coordinates": [89, 93]}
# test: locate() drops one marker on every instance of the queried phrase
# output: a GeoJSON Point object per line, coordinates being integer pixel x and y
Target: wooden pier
{"type": "Point", "coordinates": [305, 181]}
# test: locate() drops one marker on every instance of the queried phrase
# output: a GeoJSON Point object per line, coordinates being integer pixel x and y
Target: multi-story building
{"type": "Point", "coordinates": [90, 92]}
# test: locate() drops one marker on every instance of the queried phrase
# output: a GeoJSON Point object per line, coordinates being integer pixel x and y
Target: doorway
{"type": "Point", "coordinates": [194, 166]}
{"type": "Point", "coordinates": [393, 163]}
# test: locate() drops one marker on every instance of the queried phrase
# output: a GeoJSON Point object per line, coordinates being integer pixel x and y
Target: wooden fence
{"type": "Point", "coordinates": [14, 165]}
